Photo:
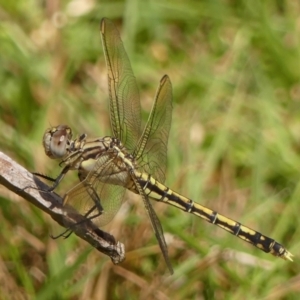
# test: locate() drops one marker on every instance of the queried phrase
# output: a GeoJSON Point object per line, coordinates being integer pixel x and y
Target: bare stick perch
{"type": "Point", "coordinates": [22, 182]}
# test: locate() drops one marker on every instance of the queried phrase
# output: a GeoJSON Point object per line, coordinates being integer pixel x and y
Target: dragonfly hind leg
{"type": "Point", "coordinates": [89, 213]}
{"type": "Point", "coordinates": [93, 212]}
{"type": "Point", "coordinates": [65, 234]}
{"type": "Point", "coordinates": [97, 203]}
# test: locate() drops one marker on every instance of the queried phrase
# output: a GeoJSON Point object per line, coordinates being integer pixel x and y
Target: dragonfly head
{"type": "Point", "coordinates": [57, 141]}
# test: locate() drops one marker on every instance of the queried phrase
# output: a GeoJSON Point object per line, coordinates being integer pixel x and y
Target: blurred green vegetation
{"type": "Point", "coordinates": [234, 143]}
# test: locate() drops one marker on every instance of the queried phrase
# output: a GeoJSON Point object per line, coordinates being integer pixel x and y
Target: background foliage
{"type": "Point", "coordinates": [234, 143]}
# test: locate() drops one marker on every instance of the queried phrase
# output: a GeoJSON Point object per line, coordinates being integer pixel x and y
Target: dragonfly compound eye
{"type": "Point", "coordinates": [56, 141]}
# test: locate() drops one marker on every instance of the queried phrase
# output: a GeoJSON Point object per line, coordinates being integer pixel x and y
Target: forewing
{"type": "Point", "coordinates": [151, 150]}
{"type": "Point", "coordinates": [124, 103]}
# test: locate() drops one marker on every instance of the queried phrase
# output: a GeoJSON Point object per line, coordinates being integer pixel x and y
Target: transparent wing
{"type": "Point", "coordinates": [151, 150]}
{"type": "Point", "coordinates": [159, 234]}
{"type": "Point", "coordinates": [124, 103]}
{"type": "Point", "coordinates": [94, 197]}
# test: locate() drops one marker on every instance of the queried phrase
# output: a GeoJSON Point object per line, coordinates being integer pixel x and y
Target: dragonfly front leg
{"type": "Point", "coordinates": [56, 180]}
{"type": "Point", "coordinates": [59, 178]}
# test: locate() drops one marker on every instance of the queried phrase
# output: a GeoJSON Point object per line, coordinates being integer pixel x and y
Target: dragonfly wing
{"type": "Point", "coordinates": [156, 225]}
{"type": "Point", "coordinates": [124, 103]}
{"type": "Point", "coordinates": [151, 150]}
{"type": "Point", "coordinates": [94, 197]}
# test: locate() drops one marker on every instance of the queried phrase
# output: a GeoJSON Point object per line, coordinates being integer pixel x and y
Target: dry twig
{"type": "Point", "coordinates": [25, 184]}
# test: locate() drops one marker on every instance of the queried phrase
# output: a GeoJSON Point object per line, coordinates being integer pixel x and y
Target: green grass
{"type": "Point", "coordinates": [234, 144]}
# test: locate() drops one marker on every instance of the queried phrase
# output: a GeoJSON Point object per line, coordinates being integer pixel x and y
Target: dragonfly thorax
{"type": "Point", "coordinates": [106, 158]}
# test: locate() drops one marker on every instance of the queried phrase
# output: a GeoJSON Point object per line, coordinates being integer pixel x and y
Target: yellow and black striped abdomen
{"type": "Point", "coordinates": [159, 192]}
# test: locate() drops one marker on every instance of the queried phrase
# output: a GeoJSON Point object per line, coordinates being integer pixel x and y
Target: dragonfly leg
{"type": "Point", "coordinates": [56, 181]}
{"type": "Point", "coordinates": [43, 176]}
{"type": "Point", "coordinates": [97, 203]}
{"type": "Point", "coordinates": [59, 178]}
{"type": "Point", "coordinates": [90, 213]}
{"type": "Point", "coordinates": [65, 234]}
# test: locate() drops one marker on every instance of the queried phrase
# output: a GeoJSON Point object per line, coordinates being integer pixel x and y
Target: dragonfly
{"type": "Point", "coordinates": [132, 159]}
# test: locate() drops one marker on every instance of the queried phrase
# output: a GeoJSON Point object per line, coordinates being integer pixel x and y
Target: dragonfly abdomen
{"type": "Point", "coordinates": [159, 192]}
